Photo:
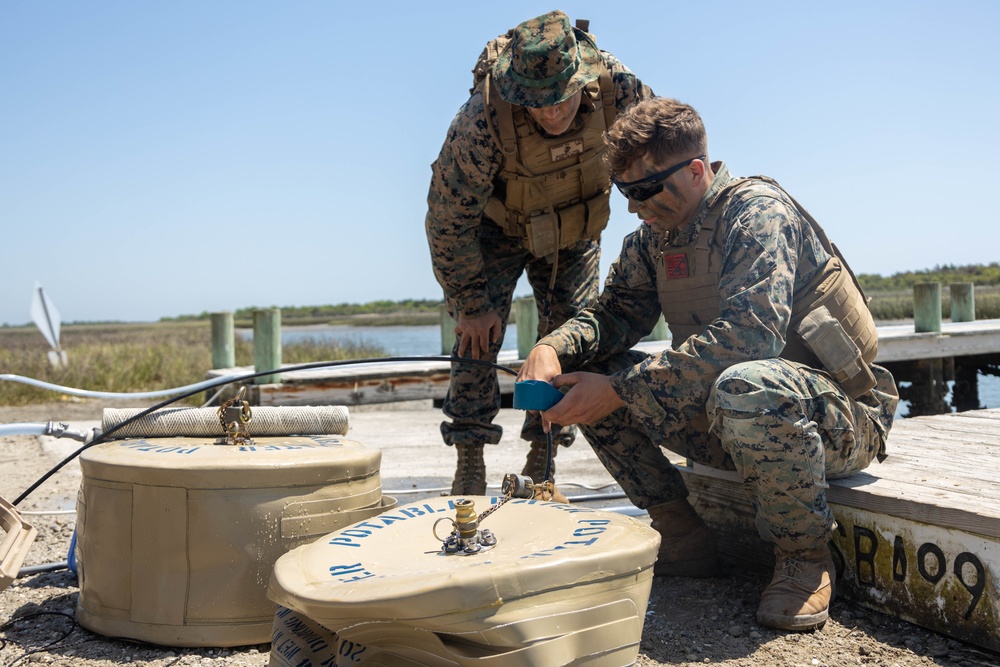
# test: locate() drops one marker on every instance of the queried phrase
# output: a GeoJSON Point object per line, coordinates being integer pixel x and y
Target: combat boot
{"type": "Point", "coordinates": [687, 546]}
{"type": "Point", "coordinates": [799, 595]}
{"type": "Point", "coordinates": [470, 475]}
{"type": "Point", "coordinates": [534, 467]}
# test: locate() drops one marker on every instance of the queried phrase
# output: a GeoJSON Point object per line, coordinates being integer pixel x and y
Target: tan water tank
{"type": "Point", "coordinates": [564, 585]}
{"type": "Point", "coordinates": [177, 537]}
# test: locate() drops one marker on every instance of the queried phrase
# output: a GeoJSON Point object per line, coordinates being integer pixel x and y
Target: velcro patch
{"type": "Point", "coordinates": [676, 265]}
{"type": "Point", "coordinates": [569, 149]}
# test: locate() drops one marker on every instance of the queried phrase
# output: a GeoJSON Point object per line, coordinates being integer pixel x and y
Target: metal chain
{"type": "Point", "coordinates": [234, 423]}
{"type": "Point", "coordinates": [506, 496]}
{"type": "Point", "coordinates": [494, 508]}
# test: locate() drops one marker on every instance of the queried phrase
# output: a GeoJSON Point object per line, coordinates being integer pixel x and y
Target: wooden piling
{"type": "Point", "coordinates": [963, 302]}
{"type": "Point", "coordinates": [267, 344]}
{"type": "Point", "coordinates": [223, 340]}
{"type": "Point", "coordinates": [448, 325]}
{"type": "Point", "coordinates": [928, 388]}
{"type": "Point", "coordinates": [927, 308]}
{"type": "Point", "coordinates": [527, 325]}
{"type": "Point", "coordinates": [659, 332]}
{"type": "Point", "coordinates": [965, 391]}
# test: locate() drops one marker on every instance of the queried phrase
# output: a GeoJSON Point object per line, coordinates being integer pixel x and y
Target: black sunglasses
{"type": "Point", "coordinates": [645, 188]}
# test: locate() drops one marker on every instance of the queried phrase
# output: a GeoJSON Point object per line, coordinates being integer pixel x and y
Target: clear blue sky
{"type": "Point", "coordinates": [165, 158]}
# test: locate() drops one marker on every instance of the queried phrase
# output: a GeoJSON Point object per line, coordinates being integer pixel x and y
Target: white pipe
{"type": "Point", "coordinates": [113, 394]}
{"type": "Point", "coordinates": [27, 428]}
{"type": "Point", "coordinates": [52, 429]}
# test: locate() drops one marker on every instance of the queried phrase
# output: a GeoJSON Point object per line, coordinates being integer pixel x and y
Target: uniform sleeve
{"type": "Point", "coordinates": [461, 185]}
{"type": "Point", "coordinates": [628, 88]}
{"type": "Point", "coordinates": [627, 309]}
{"type": "Point", "coordinates": [761, 257]}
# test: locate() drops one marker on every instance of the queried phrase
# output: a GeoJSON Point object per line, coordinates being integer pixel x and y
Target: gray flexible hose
{"type": "Point", "coordinates": [198, 422]}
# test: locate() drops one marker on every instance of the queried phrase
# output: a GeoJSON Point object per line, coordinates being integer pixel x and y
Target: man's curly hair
{"type": "Point", "coordinates": [659, 127]}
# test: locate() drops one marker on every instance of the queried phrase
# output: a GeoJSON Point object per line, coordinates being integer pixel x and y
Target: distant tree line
{"type": "Point", "coordinates": [946, 274]}
{"type": "Point", "coordinates": [891, 299]}
{"type": "Point", "coordinates": [383, 307]}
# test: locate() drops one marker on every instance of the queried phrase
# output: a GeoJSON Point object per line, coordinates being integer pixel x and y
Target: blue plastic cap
{"type": "Point", "coordinates": [535, 395]}
{"type": "Point", "coordinates": [71, 557]}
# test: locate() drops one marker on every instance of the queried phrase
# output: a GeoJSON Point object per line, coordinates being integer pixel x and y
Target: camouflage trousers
{"type": "Point", "coordinates": [784, 427]}
{"type": "Point", "coordinates": [473, 398]}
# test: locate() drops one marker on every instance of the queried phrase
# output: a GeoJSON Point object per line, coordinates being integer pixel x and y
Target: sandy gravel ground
{"type": "Point", "coordinates": [689, 622]}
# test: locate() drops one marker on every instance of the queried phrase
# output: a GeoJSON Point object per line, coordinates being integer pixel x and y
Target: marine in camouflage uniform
{"type": "Point", "coordinates": [725, 395]}
{"type": "Point", "coordinates": [478, 259]}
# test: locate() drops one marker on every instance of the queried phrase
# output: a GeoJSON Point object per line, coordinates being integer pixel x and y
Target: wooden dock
{"type": "Point", "coordinates": [917, 358]}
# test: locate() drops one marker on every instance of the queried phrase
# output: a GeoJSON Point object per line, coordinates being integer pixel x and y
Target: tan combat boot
{"type": "Point", "coordinates": [687, 546]}
{"type": "Point", "coordinates": [470, 475]}
{"type": "Point", "coordinates": [799, 595]}
{"type": "Point", "coordinates": [534, 467]}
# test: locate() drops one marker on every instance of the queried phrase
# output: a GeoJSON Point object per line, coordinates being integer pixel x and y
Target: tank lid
{"type": "Point", "coordinates": [391, 565]}
{"type": "Point", "coordinates": [199, 463]}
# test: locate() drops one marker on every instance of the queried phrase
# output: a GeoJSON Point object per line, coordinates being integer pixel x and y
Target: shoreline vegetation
{"type": "Point", "coordinates": [176, 351]}
{"type": "Point", "coordinates": [891, 299]}
{"type": "Point", "coordinates": [137, 357]}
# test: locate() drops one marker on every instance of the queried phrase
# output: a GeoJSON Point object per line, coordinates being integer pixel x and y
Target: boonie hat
{"type": "Point", "coordinates": [545, 62]}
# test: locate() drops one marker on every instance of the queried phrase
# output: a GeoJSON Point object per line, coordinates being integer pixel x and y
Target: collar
{"type": "Point", "coordinates": [689, 232]}
{"type": "Point", "coordinates": [579, 121]}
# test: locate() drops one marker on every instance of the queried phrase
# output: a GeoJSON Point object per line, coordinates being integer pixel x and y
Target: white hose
{"type": "Point", "coordinates": [27, 428]}
{"type": "Point", "coordinates": [115, 394]}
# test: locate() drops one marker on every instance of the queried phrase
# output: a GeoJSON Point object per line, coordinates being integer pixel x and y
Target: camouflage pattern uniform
{"type": "Point", "coordinates": [723, 397]}
{"type": "Point", "coordinates": [478, 266]}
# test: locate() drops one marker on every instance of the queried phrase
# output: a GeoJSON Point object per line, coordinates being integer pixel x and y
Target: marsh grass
{"type": "Point", "coordinates": [150, 357]}
{"type": "Point", "coordinates": [413, 319]}
{"type": "Point", "coordinates": [898, 304]}
{"type": "Point", "coordinates": [135, 357]}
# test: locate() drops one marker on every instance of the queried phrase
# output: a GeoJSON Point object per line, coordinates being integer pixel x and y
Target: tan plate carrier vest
{"type": "Point", "coordinates": [831, 326]}
{"type": "Point", "coordinates": [557, 188]}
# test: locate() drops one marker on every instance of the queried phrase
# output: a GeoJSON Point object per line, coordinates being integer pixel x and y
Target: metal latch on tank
{"type": "Point", "coordinates": [466, 537]}
{"type": "Point", "coordinates": [235, 416]}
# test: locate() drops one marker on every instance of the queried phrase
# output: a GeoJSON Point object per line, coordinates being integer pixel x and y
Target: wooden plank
{"type": "Point", "coordinates": [970, 421]}
{"type": "Point", "coordinates": [353, 391]}
{"type": "Point", "coordinates": [989, 417]}
{"type": "Point", "coordinates": [918, 535]}
{"type": "Point", "coordinates": [937, 577]}
{"type": "Point", "coordinates": [922, 481]}
{"type": "Point", "coordinates": [362, 390]}
{"type": "Point", "coordinates": [414, 380]}
{"type": "Point", "coordinates": [940, 578]}
{"type": "Point", "coordinates": [957, 339]}
{"type": "Point", "coordinates": [915, 501]}
{"type": "Point", "coordinates": [944, 465]}
{"type": "Point", "coordinates": [902, 343]}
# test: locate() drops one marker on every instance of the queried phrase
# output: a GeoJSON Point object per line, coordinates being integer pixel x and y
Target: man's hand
{"type": "Point", "coordinates": [476, 333]}
{"type": "Point", "coordinates": [542, 364]}
{"type": "Point", "coordinates": [590, 399]}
